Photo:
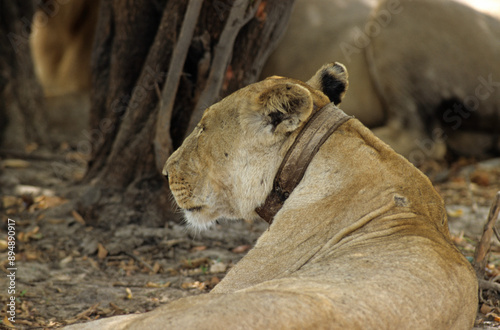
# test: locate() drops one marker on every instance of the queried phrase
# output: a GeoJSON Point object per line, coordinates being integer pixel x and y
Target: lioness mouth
{"type": "Point", "coordinates": [194, 209]}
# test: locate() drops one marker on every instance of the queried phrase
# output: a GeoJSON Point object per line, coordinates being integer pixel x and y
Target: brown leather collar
{"type": "Point", "coordinates": [316, 131]}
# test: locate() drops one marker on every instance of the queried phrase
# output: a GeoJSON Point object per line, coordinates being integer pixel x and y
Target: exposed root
{"type": "Point", "coordinates": [483, 247]}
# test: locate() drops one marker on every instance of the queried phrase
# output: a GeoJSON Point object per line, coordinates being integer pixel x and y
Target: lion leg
{"type": "Point", "coordinates": [263, 309]}
{"type": "Point", "coordinates": [300, 303]}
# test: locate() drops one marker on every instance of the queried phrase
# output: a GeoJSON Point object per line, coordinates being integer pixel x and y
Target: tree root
{"type": "Point", "coordinates": [483, 247]}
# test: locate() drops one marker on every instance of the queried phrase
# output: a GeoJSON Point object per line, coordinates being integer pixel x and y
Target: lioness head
{"type": "Point", "coordinates": [226, 166]}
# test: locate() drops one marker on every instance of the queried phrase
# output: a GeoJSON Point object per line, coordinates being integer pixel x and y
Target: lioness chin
{"type": "Point", "coordinates": [362, 241]}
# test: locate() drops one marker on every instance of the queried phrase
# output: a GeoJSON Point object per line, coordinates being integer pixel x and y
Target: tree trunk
{"type": "Point", "coordinates": [21, 98]}
{"type": "Point", "coordinates": [155, 67]}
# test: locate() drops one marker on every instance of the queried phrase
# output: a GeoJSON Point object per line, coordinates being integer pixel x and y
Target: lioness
{"type": "Point", "coordinates": [362, 241]}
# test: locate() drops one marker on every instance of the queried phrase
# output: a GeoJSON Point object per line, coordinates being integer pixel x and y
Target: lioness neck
{"type": "Point", "coordinates": [352, 168]}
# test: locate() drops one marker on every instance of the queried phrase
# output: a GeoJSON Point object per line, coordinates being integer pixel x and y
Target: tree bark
{"type": "Point", "coordinates": [21, 98]}
{"type": "Point", "coordinates": [155, 67]}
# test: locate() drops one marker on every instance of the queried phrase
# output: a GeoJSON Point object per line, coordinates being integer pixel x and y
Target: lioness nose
{"type": "Point", "coordinates": [165, 171]}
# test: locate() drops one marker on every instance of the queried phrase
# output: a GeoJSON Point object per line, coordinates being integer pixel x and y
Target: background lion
{"type": "Point", "coordinates": [423, 72]}
{"type": "Point", "coordinates": [362, 241]}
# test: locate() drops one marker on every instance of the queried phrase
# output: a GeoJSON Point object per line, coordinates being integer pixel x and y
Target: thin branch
{"type": "Point", "coordinates": [238, 17]}
{"type": "Point", "coordinates": [488, 285]}
{"type": "Point", "coordinates": [483, 247]}
{"type": "Point", "coordinates": [162, 141]}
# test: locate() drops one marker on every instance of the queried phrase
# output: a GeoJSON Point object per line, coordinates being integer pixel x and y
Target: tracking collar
{"type": "Point", "coordinates": [316, 131]}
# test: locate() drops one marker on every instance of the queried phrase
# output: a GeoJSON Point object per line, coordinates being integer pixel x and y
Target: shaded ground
{"type": "Point", "coordinates": [68, 271]}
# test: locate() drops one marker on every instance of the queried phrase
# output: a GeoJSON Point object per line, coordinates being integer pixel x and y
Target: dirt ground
{"type": "Point", "coordinates": [67, 271]}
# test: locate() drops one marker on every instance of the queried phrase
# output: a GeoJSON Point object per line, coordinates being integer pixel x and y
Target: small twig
{"type": "Point", "coordinates": [483, 247]}
{"type": "Point", "coordinates": [238, 17]}
{"type": "Point", "coordinates": [497, 234]}
{"type": "Point", "coordinates": [139, 260]}
{"type": "Point", "coordinates": [162, 141]}
{"type": "Point", "coordinates": [128, 285]}
{"type": "Point", "coordinates": [173, 242]}
{"type": "Point", "coordinates": [86, 313]}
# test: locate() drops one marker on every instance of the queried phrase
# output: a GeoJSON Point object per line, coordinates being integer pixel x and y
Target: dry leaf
{"type": "Point", "coordinates": [485, 309]}
{"type": "Point", "coordinates": [218, 267]}
{"type": "Point", "coordinates": [22, 189]}
{"type": "Point", "coordinates": [93, 263]}
{"type": "Point", "coordinates": [157, 285]}
{"type": "Point", "coordinates": [54, 221]}
{"type": "Point", "coordinates": [33, 234]}
{"type": "Point", "coordinates": [481, 178]}
{"type": "Point", "coordinates": [156, 268]}
{"type": "Point", "coordinates": [195, 263]}
{"type": "Point", "coordinates": [44, 202]}
{"type": "Point", "coordinates": [174, 242]}
{"type": "Point", "coordinates": [455, 213]}
{"type": "Point", "coordinates": [65, 261]}
{"type": "Point", "coordinates": [241, 249]}
{"type": "Point", "coordinates": [198, 248]}
{"type": "Point", "coordinates": [10, 201]}
{"type": "Point", "coordinates": [31, 255]}
{"type": "Point", "coordinates": [214, 281]}
{"type": "Point", "coordinates": [78, 217]}
{"type": "Point", "coordinates": [116, 309]}
{"type": "Point", "coordinates": [194, 285]}
{"type": "Point", "coordinates": [129, 294]}
{"type": "Point", "coordinates": [86, 313]}
{"type": "Point", "coordinates": [101, 251]}
{"type": "Point", "coordinates": [7, 322]}
{"type": "Point", "coordinates": [52, 201]}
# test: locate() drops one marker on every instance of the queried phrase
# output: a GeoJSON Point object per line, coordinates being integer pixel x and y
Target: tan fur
{"type": "Point", "coordinates": [414, 64]}
{"type": "Point", "coordinates": [61, 45]}
{"type": "Point", "coordinates": [315, 32]}
{"type": "Point", "coordinates": [432, 64]}
{"type": "Point", "coordinates": [361, 243]}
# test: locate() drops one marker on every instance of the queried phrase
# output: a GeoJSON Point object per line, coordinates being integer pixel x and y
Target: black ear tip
{"type": "Point", "coordinates": [333, 87]}
{"type": "Point", "coordinates": [332, 79]}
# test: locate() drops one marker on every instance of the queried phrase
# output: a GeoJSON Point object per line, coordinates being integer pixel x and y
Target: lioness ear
{"type": "Point", "coordinates": [286, 106]}
{"type": "Point", "coordinates": [331, 79]}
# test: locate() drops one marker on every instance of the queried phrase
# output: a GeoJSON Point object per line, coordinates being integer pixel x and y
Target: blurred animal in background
{"type": "Point", "coordinates": [424, 74]}
{"type": "Point", "coordinates": [61, 44]}
{"type": "Point", "coordinates": [316, 30]}
{"type": "Point", "coordinates": [61, 47]}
